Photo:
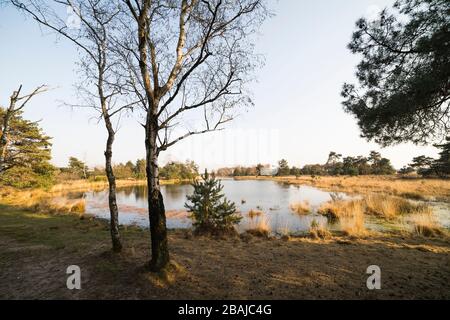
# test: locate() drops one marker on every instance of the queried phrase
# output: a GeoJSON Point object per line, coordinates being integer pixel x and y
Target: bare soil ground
{"type": "Point", "coordinates": [36, 249]}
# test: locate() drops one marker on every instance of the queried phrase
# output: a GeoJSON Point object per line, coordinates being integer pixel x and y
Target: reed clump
{"type": "Point", "coordinates": [260, 228]}
{"type": "Point", "coordinates": [354, 225]}
{"type": "Point", "coordinates": [255, 213]}
{"type": "Point", "coordinates": [384, 206]}
{"type": "Point", "coordinates": [62, 205]}
{"type": "Point", "coordinates": [301, 208]}
{"type": "Point", "coordinates": [349, 214]}
{"type": "Point", "coordinates": [335, 210]}
{"type": "Point", "coordinates": [426, 225]}
{"type": "Point", "coordinates": [42, 201]}
{"type": "Point", "coordinates": [317, 231]}
{"type": "Point", "coordinates": [390, 207]}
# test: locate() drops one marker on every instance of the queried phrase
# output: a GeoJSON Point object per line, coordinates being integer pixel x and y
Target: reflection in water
{"type": "Point", "coordinates": [270, 197]}
{"type": "Point", "coordinates": [140, 193]}
{"type": "Point", "coordinates": [175, 193]}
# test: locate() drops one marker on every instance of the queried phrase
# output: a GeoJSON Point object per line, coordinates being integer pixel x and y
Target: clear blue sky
{"type": "Point", "coordinates": [297, 113]}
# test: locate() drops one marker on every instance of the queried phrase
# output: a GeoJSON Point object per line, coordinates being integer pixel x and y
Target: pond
{"type": "Point", "coordinates": [270, 197]}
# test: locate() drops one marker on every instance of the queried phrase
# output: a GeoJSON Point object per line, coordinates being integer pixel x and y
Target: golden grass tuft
{"type": "Point", "coordinates": [354, 225]}
{"type": "Point", "coordinates": [350, 215]}
{"type": "Point", "coordinates": [84, 185]}
{"type": "Point", "coordinates": [60, 205]}
{"type": "Point", "coordinates": [383, 206]}
{"type": "Point", "coordinates": [260, 227]}
{"type": "Point", "coordinates": [335, 210]}
{"type": "Point", "coordinates": [167, 276]}
{"type": "Point", "coordinates": [426, 225]}
{"type": "Point", "coordinates": [317, 231]}
{"type": "Point", "coordinates": [255, 213]}
{"type": "Point", "coordinates": [390, 207]}
{"type": "Point", "coordinates": [301, 208]}
{"type": "Point", "coordinates": [78, 206]}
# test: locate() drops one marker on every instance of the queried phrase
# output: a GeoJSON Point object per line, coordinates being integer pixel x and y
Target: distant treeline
{"type": "Point", "coordinates": [429, 167]}
{"type": "Point", "coordinates": [374, 164]}
{"type": "Point", "coordinates": [237, 172]}
{"type": "Point", "coordinates": [336, 165]}
{"type": "Point", "coordinates": [77, 169]}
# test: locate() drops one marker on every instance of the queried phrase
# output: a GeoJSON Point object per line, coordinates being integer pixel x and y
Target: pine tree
{"type": "Point", "coordinates": [283, 167]}
{"type": "Point", "coordinates": [27, 154]}
{"type": "Point", "coordinates": [422, 165]}
{"type": "Point", "coordinates": [403, 91]}
{"type": "Point", "coordinates": [211, 211]}
{"type": "Point", "coordinates": [78, 168]}
{"type": "Point", "coordinates": [441, 166]}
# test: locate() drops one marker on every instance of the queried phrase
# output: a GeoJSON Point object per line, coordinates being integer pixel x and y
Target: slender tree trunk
{"type": "Point", "coordinates": [5, 130]}
{"type": "Point", "coordinates": [112, 201]}
{"type": "Point", "coordinates": [156, 210]}
{"type": "Point", "coordinates": [4, 140]}
{"type": "Point", "coordinates": [113, 210]}
{"type": "Point", "coordinates": [157, 213]}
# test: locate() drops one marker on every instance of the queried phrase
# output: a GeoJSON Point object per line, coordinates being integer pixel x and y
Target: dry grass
{"type": "Point", "coordinates": [42, 201]}
{"type": "Point", "coordinates": [301, 208]}
{"type": "Point", "coordinates": [79, 206]}
{"type": "Point", "coordinates": [336, 210]}
{"type": "Point", "coordinates": [25, 198]}
{"type": "Point", "coordinates": [28, 197]}
{"type": "Point", "coordinates": [383, 206]}
{"type": "Point", "coordinates": [413, 188]}
{"type": "Point", "coordinates": [53, 200]}
{"type": "Point", "coordinates": [426, 225]}
{"type": "Point", "coordinates": [284, 231]}
{"type": "Point", "coordinates": [260, 227]}
{"type": "Point", "coordinates": [61, 205]}
{"type": "Point", "coordinates": [350, 215]}
{"type": "Point", "coordinates": [39, 198]}
{"type": "Point", "coordinates": [354, 225]}
{"type": "Point", "coordinates": [255, 213]}
{"type": "Point", "coordinates": [390, 207]}
{"type": "Point", "coordinates": [84, 185]}
{"type": "Point", "coordinates": [317, 231]}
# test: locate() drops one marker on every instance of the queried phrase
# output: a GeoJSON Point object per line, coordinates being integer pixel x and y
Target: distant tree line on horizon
{"type": "Point", "coordinates": [429, 167]}
{"type": "Point", "coordinates": [336, 165]}
{"type": "Point", "coordinates": [77, 170]}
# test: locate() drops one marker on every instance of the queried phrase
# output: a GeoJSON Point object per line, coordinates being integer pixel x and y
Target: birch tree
{"type": "Point", "coordinates": [89, 25]}
{"type": "Point", "coordinates": [185, 58]}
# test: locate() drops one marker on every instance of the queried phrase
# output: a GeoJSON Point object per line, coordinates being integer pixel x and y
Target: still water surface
{"type": "Point", "coordinates": [271, 197]}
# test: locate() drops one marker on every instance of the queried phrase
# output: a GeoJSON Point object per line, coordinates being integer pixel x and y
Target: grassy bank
{"type": "Point", "coordinates": [405, 215]}
{"type": "Point", "coordinates": [49, 199]}
{"type": "Point", "coordinates": [417, 189]}
{"type": "Point", "coordinates": [83, 185]}
{"type": "Point", "coordinates": [37, 248]}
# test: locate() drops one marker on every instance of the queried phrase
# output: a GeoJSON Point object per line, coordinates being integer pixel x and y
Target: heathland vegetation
{"type": "Point", "coordinates": [163, 59]}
